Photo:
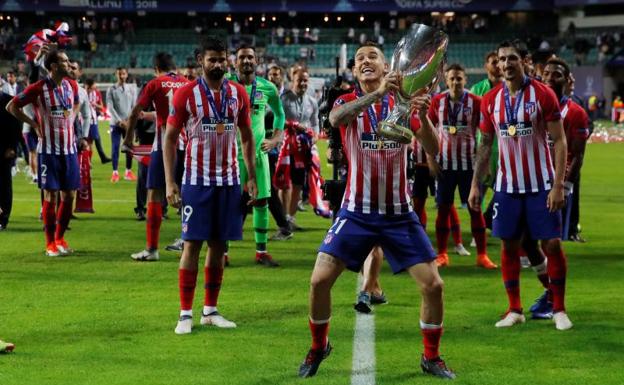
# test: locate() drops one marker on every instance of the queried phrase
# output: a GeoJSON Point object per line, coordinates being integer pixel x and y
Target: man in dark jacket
{"type": "Point", "coordinates": [10, 132]}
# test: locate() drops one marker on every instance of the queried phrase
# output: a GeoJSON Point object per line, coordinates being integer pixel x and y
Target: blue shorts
{"type": "Point", "coordinates": [212, 213]}
{"type": "Point", "coordinates": [31, 140]}
{"type": "Point", "coordinates": [94, 132]}
{"type": "Point", "coordinates": [512, 213]}
{"type": "Point", "coordinates": [448, 181]}
{"type": "Point", "coordinates": [58, 172]}
{"type": "Point", "coordinates": [402, 238]}
{"type": "Point", "coordinates": [156, 171]}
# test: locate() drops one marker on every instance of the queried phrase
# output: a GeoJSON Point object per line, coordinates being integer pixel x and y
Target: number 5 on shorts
{"type": "Point", "coordinates": [495, 210]}
{"type": "Point", "coordinates": [187, 211]}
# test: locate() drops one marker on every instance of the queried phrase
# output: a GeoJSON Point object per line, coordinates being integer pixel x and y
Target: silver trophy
{"type": "Point", "coordinates": [419, 58]}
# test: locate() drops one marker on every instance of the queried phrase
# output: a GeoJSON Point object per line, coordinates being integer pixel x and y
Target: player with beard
{"type": "Point", "coordinates": [262, 93]}
{"type": "Point", "coordinates": [376, 209]}
{"type": "Point", "coordinates": [55, 100]}
{"type": "Point", "coordinates": [159, 93]}
{"type": "Point", "coordinates": [529, 191]}
{"type": "Point", "coordinates": [211, 109]}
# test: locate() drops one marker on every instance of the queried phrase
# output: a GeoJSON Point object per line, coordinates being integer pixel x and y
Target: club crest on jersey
{"type": "Point", "coordinates": [184, 227]}
{"type": "Point", "coordinates": [467, 110]}
{"type": "Point", "coordinates": [233, 103]}
{"type": "Point", "coordinates": [259, 95]}
{"type": "Point", "coordinates": [328, 239]}
{"type": "Point", "coordinates": [529, 107]}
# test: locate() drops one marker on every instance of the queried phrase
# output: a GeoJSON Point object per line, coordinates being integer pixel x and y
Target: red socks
{"type": "Point", "coordinates": [187, 280]}
{"type": "Point", "coordinates": [152, 226]}
{"type": "Point", "coordinates": [477, 226]}
{"type": "Point", "coordinates": [442, 227]}
{"type": "Point", "coordinates": [63, 216]}
{"type": "Point", "coordinates": [431, 342]}
{"type": "Point", "coordinates": [319, 334]}
{"type": "Point", "coordinates": [455, 227]}
{"type": "Point", "coordinates": [510, 263]}
{"type": "Point", "coordinates": [214, 277]}
{"type": "Point", "coordinates": [49, 221]}
{"type": "Point", "coordinates": [557, 270]}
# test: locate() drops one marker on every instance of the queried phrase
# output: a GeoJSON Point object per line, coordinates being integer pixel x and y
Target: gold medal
{"type": "Point", "coordinates": [66, 113]}
{"type": "Point", "coordinates": [220, 128]}
{"type": "Point", "coordinates": [511, 129]}
{"type": "Point", "coordinates": [452, 130]}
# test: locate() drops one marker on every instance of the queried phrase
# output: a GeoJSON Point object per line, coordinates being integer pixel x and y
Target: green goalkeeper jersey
{"type": "Point", "coordinates": [264, 93]}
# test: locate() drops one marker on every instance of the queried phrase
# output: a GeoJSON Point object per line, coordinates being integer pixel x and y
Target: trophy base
{"type": "Point", "coordinates": [395, 132]}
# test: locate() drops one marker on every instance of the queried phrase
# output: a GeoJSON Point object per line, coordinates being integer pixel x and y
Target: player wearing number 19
{"type": "Point", "coordinates": [159, 92]}
{"type": "Point", "coordinates": [376, 209]}
{"type": "Point", "coordinates": [211, 110]}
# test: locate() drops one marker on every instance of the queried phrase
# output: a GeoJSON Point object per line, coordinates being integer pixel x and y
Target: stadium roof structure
{"type": "Point", "coordinates": [252, 6]}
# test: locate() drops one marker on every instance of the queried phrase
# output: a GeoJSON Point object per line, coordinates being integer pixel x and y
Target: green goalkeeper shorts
{"type": "Point", "coordinates": [263, 175]}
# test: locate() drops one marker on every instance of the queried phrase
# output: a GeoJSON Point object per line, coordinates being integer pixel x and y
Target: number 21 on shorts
{"type": "Point", "coordinates": [338, 224]}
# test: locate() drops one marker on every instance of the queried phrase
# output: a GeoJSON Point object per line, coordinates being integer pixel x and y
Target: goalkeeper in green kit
{"type": "Point", "coordinates": [261, 93]}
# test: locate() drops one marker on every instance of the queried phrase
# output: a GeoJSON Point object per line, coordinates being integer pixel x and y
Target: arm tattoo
{"type": "Point", "coordinates": [346, 113]}
{"type": "Point", "coordinates": [483, 156]}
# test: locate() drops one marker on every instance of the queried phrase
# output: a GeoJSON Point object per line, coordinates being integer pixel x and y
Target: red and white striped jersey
{"type": "Point", "coordinates": [159, 92]}
{"type": "Point", "coordinates": [575, 126]}
{"type": "Point", "coordinates": [211, 156]}
{"type": "Point", "coordinates": [524, 160]}
{"type": "Point", "coordinates": [418, 154]}
{"type": "Point", "coordinates": [456, 125]}
{"type": "Point", "coordinates": [376, 178]}
{"type": "Point", "coordinates": [95, 98]}
{"type": "Point", "coordinates": [54, 111]}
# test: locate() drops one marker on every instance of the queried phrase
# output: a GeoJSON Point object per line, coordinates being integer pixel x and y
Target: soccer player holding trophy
{"type": "Point", "coordinates": [376, 209]}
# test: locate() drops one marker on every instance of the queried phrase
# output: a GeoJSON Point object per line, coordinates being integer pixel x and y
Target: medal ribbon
{"type": "Point", "coordinates": [372, 115]}
{"type": "Point", "coordinates": [62, 97]}
{"type": "Point", "coordinates": [512, 114]}
{"type": "Point", "coordinates": [220, 115]}
{"type": "Point", "coordinates": [252, 97]}
{"type": "Point", "coordinates": [453, 110]}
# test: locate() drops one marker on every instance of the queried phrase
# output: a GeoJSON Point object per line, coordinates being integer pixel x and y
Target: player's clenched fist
{"type": "Point", "coordinates": [421, 102]}
{"type": "Point", "coordinates": [173, 195]}
{"type": "Point", "coordinates": [390, 82]}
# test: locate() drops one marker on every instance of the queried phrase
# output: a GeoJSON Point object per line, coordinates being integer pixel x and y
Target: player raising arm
{"type": "Point", "coordinates": [376, 209]}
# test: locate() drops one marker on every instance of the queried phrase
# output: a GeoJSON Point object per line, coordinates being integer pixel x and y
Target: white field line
{"type": "Point", "coordinates": [363, 366]}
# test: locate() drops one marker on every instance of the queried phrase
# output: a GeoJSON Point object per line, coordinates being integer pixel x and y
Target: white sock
{"type": "Point", "coordinates": [320, 322]}
{"type": "Point", "coordinates": [186, 313]}
{"type": "Point", "coordinates": [209, 309]}
{"type": "Point", "coordinates": [424, 325]}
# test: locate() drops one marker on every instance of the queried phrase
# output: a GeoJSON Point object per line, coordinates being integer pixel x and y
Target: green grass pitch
{"type": "Point", "coordinates": [97, 317]}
